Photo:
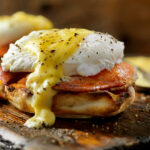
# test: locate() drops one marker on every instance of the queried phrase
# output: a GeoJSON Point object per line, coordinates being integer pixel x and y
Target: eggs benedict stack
{"type": "Point", "coordinates": [72, 73]}
{"type": "Point", "coordinates": [19, 24]}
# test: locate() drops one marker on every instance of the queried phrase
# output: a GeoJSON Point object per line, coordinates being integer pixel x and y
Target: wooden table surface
{"type": "Point", "coordinates": [128, 130]}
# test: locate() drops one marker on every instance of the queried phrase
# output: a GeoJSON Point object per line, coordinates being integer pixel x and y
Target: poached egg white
{"type": "Point", "coordinates": [19, 24]}
{"type": "Point", "coordinates": [96, 52]}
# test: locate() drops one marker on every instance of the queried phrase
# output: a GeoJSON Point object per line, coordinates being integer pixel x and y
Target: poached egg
{"type": "Point", "coordinates": [19, 24]}
{"type": "Point", "coordinates": [52, 54]}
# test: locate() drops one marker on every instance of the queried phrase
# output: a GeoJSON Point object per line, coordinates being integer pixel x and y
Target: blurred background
{"type": "Point", "coordinates": [127, 20]}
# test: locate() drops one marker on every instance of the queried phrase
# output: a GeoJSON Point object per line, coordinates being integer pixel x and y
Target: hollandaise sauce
{"type": "Point", "coordinates": [52, 48]}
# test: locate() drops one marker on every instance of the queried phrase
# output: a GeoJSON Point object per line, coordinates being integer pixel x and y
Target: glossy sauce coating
{"type": "Point", "coordinates": [52, 48]}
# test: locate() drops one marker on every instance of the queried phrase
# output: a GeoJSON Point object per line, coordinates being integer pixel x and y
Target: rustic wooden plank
{"type": "Point", "coordinates": [129, 129]}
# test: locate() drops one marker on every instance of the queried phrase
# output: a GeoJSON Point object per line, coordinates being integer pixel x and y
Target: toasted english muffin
{"type": "Point", "coordinates": [72, 105]}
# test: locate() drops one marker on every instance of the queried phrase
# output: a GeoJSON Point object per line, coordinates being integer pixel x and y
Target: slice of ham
{"type": "Point", "coordinates": [121, 75]}
{"type": "Point", "coordinates": [3, 50]}
{"type": "Point", "coordinates": [9, 77]}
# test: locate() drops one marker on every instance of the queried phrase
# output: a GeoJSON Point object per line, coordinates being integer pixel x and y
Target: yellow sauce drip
{"type": "Point", "coordinates": [55, 47]}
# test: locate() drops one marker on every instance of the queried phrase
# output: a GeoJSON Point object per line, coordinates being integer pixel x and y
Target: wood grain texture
{"type": "Point", "coordinates": [128, 130]}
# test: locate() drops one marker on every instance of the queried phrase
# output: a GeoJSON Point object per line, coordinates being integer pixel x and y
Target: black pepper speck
{"type": "Point", "coordinates": [75, 34]}
{"type": "Point", "coordinates": [52, 51]}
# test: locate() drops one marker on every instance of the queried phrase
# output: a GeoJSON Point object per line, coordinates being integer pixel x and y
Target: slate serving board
{"type": "Point", "coordinates": [128, 130]}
